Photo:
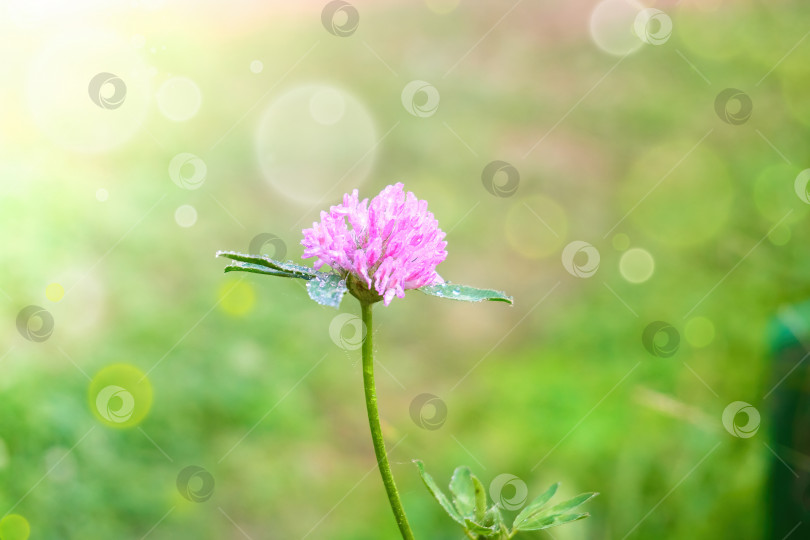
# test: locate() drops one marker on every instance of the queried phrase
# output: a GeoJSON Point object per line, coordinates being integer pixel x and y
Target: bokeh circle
{"type": "Point", "coordinates": [120, 396]}
{"type": "Point", "coordinates": [527, 234]}
{"type": "Point", "coordinates": [679, 194]}
{"type": "Point", "coordinates": [185, 216]}
{"type": "Point", "coordinates": [612, 26]}
{"type": "Point", "coordinates": [777, 193]}
{"type": "Point", "coordinates": [699, 331]}
{"type": "Point", "coordinates": [179, 99]}
{"type": "Point", "coordinates": [14, 527]}
{"type": "Point", "coordinates": [315, 140]}
{"type": "Point", "coordinates": [636, 265]}
{"type": "Point", "coordinates": [89, 91]}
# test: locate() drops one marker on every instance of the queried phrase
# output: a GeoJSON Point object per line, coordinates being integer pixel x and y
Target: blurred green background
{"type": "Point", "coordinates": [695, 216]}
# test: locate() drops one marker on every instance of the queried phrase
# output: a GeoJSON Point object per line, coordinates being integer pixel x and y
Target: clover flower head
{"type": "Point", "coordinates": [392, 243]}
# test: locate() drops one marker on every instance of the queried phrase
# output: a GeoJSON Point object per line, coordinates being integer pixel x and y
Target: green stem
{"type": "Point", "coordinates": [376, 431]}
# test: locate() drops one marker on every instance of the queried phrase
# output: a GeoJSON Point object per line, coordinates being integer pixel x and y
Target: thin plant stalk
{"type": "Point", "coordinates": [374, 424]}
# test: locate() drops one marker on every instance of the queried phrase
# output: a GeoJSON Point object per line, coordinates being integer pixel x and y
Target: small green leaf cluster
{"type": "Point", "coordinates": [470, 509]}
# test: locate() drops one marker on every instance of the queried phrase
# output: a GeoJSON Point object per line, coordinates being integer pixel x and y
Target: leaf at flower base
{"type": "Point", "coordinates": [437, 493]}
{"type": "Point", "coordinates": [239, 266]}
{"type": "Point", "coordinates": [327, 289]}
{"type": "Point", "coordinates": [536, 505]}
{"type": "Point", "coordinates": [464, 292]}
{"type": "Point", "coordinates": [260, 260]}
{"type": "Point", "coordinates": [558, 514]}
{"type": "Point", "coordinates": [480, 500]}
{"type": "Point", "coordinates": [463, 490]}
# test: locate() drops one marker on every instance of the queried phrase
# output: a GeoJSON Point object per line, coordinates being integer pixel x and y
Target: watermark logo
{"type": "Point", "coordinates": [347, 331]}
{"type": "Point", "coordinates": [428, 411]}
{"type": "Point", "coordinates": [35, 323]}
{"type": "Point", "coordinates": [187, 171]}
{"type": "Point", "coordinates": [420, 98]}
{"type": "Point", "coordinates": [580, 259]}
{"type": "Point", "coordinates": [731, 418]}
{"type": "Point", "coordinates": [509, 491]}
{"type": "Point", "coordinates": [500, 178]}
{"type": "Point", "coordinates": [120, 396]}
{"type": "Point", "coordinates": [733, 106]}
{"type": "Point", "coordinates": [269, 245]}
{"type": "Point", "coordinates": [653, 26]}
{"type": "Point", "coordinates": [107, 90]}
{"type": "Point", "coordinates": [115, 404]}
{"type": "Point", "coordinates": [195, 484]}
{"type": "Point", "coordinates": [661, 339]}
{"type": "Point", "coordinates": [340, 18]}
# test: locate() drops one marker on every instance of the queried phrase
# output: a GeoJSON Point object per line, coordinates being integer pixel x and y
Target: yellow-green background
{"type": "Point", "coordinates": [567, 378]}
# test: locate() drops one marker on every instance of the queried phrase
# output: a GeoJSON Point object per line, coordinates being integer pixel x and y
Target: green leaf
{"type": "Point", "coordinates": [475, 528]}
{"type": "Point", "coordinates": [437, 493]}
{"type": "Point", "coordinates": [239, 266]}
{"type": "Point", "coordinates": [480, 499]}
{"type": "Point", "coordinates": [553, 516]}
{"type": "Point", "coordinates": [570, 504]}
{"type": "Point", "coordinates": [463, 490]}
{"type": "Point", "coordinates": [537, 524]}
{"type": "Point", "coordinates": [260, 260]}
{"type": "Point", "coordinates": [463, 292]}
{"type": "Point", "coordinates": [327, 289]}
{"type": "Point", "coordinates": [493, 517]}
{"type": "Point", "coordinates": [536, 505]}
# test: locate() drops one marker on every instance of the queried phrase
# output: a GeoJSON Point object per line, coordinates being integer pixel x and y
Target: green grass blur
{"type": "Point", "coordinates": [621, 153]}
